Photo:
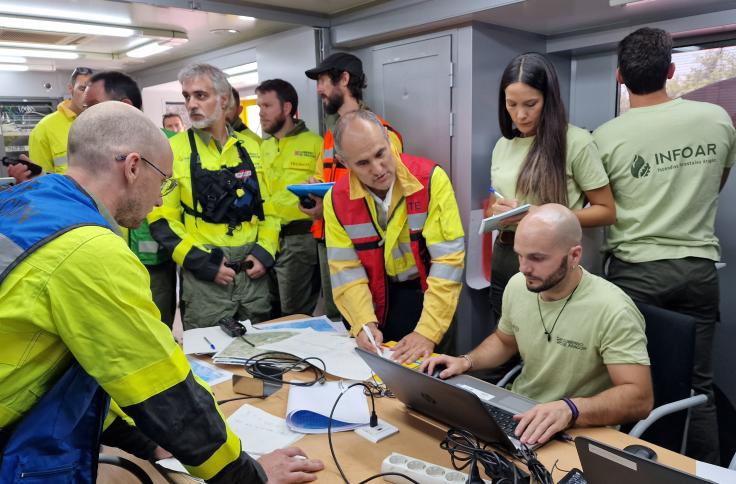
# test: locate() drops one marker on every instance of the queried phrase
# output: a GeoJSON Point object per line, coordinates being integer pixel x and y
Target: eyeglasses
{"type": "Point", "coordinates": [167, 185]}
{"type": "Point", "coordinates": [81, 71]}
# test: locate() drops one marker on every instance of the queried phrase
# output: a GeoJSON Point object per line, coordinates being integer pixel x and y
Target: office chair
{"type": "Point", "coordinates": [671, 347]}
{"type": "Point", "coordinates": [129, 466]}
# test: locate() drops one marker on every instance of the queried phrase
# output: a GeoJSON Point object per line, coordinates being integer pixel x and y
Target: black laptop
{"type": "Point", "coordinates": [462, 401]}
{"type": "Point", "coordinates": [603, 464]}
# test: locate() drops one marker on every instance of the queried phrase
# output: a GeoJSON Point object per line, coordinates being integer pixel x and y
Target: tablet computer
{"type": "Point", "coordinates": [6, 180]}
{"type": "Point", "coordinates": [305, 189]}
{"type": "Point", "coordinates": [491, 223]}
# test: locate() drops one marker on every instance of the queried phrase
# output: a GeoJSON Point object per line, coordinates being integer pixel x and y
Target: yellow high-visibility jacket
{"type": "Point", "coordinates": [287, 161]}
{"type": "Point", "coordinates": [85, 296]}
{"type": "Point", "coordinates": [443, 233]}
{"type": "Point", "coordinates": [48, 140]}
{"type": "Point", "coordinates": [190, 239]}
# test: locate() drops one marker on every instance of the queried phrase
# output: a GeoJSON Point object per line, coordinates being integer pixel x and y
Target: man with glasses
{"type": "Point", "coordinates": [47, 143]}
{"type": "Point", "coordinates": [91, 331]}
{"type": "Point", "coordinates": [218, 223]}
{"type": "Point", "coordinates": [116, 86]}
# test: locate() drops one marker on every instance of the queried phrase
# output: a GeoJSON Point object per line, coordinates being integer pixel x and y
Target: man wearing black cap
{"type": "Point", "coordinates": [340, 83]}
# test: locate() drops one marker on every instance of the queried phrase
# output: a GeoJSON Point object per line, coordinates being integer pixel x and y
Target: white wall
{"type": "Point", "coordinates": [156, 97]}
{"type": "Point", "coordinates": [31, 84]}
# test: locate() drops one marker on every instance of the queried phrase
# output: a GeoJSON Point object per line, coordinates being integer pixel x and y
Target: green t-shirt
{"type": "Point", "coordinates": [583, 166]}
{"type": "Point", "coordinates": [600, 326]}
{"type": "Point", "coordinates": [665, 163]}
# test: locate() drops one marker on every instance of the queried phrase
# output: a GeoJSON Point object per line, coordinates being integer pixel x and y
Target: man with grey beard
{"type": "Point", "coordinates": [218, 222]}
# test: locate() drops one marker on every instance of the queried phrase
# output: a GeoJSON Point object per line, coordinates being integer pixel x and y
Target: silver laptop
{"type": "Point", "coordinates": [603, 464]}
{"type": "Point", "coordinates": [461, 401]}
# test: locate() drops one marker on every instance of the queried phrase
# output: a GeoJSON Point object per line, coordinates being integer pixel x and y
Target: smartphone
{"type": "Point", "coordinates": [35, 169]}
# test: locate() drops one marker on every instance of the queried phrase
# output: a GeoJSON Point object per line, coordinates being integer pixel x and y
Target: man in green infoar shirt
{"type": "Point", "coordinates": [581, 338]}
{"type": "Point", "coordinates": [667, 160]}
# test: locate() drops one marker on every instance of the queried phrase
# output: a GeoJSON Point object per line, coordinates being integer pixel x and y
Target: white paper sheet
{"type": "Point", "coordinates": [338, 353]}
{"type": "Point", "coordinates": [319, 323]}
{"type": "Point", "coordinates": [717, 474]}
{"type": "Point", "coordinates": [260, 432]}
{"type": "Point", "coordinates": [211, 374]}
{"type": "Point", "coordinates": [195, 342]}
{"type": "Point", "coordinates": [308, 409]}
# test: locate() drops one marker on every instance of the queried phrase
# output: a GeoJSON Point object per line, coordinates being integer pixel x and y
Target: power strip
{"type": "Point", "coordinates": [421, 471]}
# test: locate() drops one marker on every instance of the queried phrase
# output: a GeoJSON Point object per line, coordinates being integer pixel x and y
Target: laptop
{"type": "Point", "coordinates": [462, 401]}
{"type": "Point", "coordinates": [603, 464]}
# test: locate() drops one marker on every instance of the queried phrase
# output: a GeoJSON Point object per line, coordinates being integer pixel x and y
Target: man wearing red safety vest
{"type": "Point", "coordinates": [340, 83]}
{"type": "Point", "coordinates": [395, 244]}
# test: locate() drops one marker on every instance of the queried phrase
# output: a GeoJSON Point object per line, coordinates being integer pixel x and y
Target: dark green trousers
{"type": "Point", "coordinates": [688, 286]}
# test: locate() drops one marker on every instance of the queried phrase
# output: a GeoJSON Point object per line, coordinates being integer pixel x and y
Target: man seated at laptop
{"type": "Point", "coordinates": [581, 338]}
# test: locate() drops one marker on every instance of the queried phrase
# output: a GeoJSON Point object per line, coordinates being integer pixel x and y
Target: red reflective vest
{"type": "Point", "coordinates": [355, 218]}
{"type": "Point", "coordinates": [333, 170]}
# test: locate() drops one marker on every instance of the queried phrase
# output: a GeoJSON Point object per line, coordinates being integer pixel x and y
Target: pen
{"type": "Point", "coordinates": [243, 338]}
{"type": "Point", "coordinates": [372, 339]}
{"type": "Point", "coordinates": [498, 194]}
{"type": "Point", "coordinates": [209, 343]}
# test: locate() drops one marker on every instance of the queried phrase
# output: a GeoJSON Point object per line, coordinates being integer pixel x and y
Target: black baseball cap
{"type": "Point", "coordinates": [339, 61]}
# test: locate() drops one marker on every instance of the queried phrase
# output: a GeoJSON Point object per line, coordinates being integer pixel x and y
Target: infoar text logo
{"type": "Point", "coordinates": [639, 167]}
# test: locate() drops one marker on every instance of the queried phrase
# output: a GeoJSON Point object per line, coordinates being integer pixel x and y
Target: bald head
{"type": "Point", "coordinates": [109, 129]}
{"type": "Point", "coordinates": [553, 223]}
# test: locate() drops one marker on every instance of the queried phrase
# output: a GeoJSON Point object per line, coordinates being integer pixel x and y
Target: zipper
{"type": "Point", "coordinates": [47, 472]}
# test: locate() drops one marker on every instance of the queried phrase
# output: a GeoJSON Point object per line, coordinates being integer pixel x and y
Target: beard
{"type": "Point", "coordinates": [333, 103]}
{"type": "Point", "coordinates": [131, 213]}
{"type": "Point", "coordinates": [207, 122]}
{"type": "Point", "coordinates": [553, 279]}
{"type": "Point", "coordinates": [276, 125]}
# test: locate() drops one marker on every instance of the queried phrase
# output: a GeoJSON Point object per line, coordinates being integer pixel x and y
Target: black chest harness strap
{"type": "Point", "coordinates": [230, 195]}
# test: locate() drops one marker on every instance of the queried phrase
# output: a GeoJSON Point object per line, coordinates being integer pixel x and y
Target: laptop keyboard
{"type": "Point", "coordinates": [504, 419]}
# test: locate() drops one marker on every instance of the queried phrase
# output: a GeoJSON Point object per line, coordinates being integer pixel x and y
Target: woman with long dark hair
{"type": "Point", "coordinates": [540, 159]}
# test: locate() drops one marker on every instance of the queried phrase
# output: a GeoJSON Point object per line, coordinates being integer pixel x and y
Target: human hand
{"type": "Point", "coordinates": [453, 365]}
{"type": "Point", "coordinates": [161, 453]}
{"type": "Point", "coordinates": [258, 269]}
{"type": "Point", "coordinates": [503, 205]}
{"type": "Point", "coordinates": [542, 422]}
{"type": "Point", "coordinates": [19, 171]}
{"type": "Point", "coordinates": [225, 275]}
{"type": "Point", "coordinates": [289, 465]}
{"type": "Point", "coordinates": [363, 342]}
{"type": "Point", "coordinates": [315, 212]}
{"type": "Point", "coordinates": [412, 347]}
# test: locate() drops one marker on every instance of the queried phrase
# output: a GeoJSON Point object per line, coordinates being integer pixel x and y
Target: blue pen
{"type": "Point", "coordinates": [209, 343]}
{"type": "Point", "coordinates": [498, 194]}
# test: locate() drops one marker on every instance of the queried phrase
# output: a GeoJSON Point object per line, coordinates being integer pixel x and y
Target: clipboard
{"type": "Point", "coordinates": [306, 189]}
{"type": "Point", "coordinates": [491, 223]}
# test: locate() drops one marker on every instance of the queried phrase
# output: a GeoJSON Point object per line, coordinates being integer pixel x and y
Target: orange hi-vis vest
{"type": "Point", "coordinates": [355, 217]}
{"type": "Point", "coordinates": [333, 170]}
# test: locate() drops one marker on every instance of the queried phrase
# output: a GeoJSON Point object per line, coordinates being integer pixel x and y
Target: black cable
{"type": "Point", "coordinates": [273, 365]}
{"type": "Point", "coordinates": [220, 402]}
{"type": "Point", "coordinates": [466, 450]}
{"type": "Point", "coordinates": [376, 476]}
{"type": "Point", "coordinates": [536, 468]}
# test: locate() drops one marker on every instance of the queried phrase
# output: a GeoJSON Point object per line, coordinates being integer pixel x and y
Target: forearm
{"type": "Point", "coordinates": [617, 405]}
{"type": "Point", "coordinates": [492, 352]}
{"type": "Point", "coordinates": [596, 216]}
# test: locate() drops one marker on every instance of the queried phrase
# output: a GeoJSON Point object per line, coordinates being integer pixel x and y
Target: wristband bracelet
{"type": "Point", "coordinates": [573, 409]}
{"type": "Point", "coordinates": [469, 359]}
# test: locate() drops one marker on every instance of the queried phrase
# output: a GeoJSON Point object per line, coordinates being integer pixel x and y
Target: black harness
{"type": "Point", "coordinates": [230, 195]}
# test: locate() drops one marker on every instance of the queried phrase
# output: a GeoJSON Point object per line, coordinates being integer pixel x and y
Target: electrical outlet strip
{"type": "Point", "coordinates": [421, 471]}
{"type": "Point", "coordinates": [377, 433]}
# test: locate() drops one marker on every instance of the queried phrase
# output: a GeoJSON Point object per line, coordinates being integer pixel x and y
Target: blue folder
{"type": "Point", "coordinates": [304, 189]}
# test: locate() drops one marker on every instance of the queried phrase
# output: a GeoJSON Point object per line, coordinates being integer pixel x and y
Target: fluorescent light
{"type": "Point", "coordinates": [66, 13]}
{"type": "Point", "coordinates": [147, 50]}
{"type": "Point", "coordinates": [9, 59]}
{"type": "Point", "coordinates": [249, 79]}
{"type": "Point", "coordinates": [246, 18]}
{"type": "Point", "coordinates": [13, 67]}
{"type": "Point", "coordinates": [36, 24]}
{"type": "Point", "coordinates": [48, 54]}
{"type": "Point", "coordinates": [241, 69]}
{"type": "Point", "coordinates": [34, 45]}
{"type": "Point", "coordinates": [39, 67]}
{"type": "Point", "coordinates": [615, 3]}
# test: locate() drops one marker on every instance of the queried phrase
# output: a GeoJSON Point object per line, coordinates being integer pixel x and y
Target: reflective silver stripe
{"type": "Point", "coordinates": [416, 220]}
{"type": "Point", "coordinates": [341, 253]}
{"type": "Point", "coordinates": [446, 271]}
{"type": "Point", "coordinates": [401, 250]}
{"type": "Point", "coordinates": [148, 246]}
{"type": "Point", "coordinates": [361, 231]}
{"type": "Point", "coordinates": [9, 251]}
{"type": "Point", "coordinates": [328, 153]}
{"type": "Point", "coordinates": [60, 161]}
{"type": "Point", "coordinates": [410, 273]}
{"type": "Point", "coordinates": [348, 275]}
{"type": "Point", "coordinates": [447, 247]}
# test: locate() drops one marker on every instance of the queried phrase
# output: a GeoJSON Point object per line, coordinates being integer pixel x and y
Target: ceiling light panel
{"type": "Point", "coordinates": [48, 54]}
{"type": "Point", "coordinates": [68, 12]}
{"type": "Point", "coordinates": [148, 50]}
{"type": "Point", "coordinates": [34, 45]}
{"type": "Point", "coordinates": [241, 69]}
{"type": "Point", "coordinates": [35, 24]}
{"type": "Point", "coordinates": [8, 59]}
{"type": "Point", "coordinates": [13, 67]}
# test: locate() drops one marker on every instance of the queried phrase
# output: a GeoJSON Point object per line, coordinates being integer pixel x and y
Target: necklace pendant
{"type": "Point", "coordinates": [549, 337]}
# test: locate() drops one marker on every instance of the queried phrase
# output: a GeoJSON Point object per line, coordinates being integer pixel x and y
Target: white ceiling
{"type": "Point", "coordinates": [557, 17]}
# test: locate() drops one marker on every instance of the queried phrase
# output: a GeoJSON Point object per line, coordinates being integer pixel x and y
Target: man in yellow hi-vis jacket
{"type": "Point", "coordinates": [218, 223]}
{"type": "Point", "coordinates": [77, 300]}
{"type": "Point", "coordinates": [395, 241]}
